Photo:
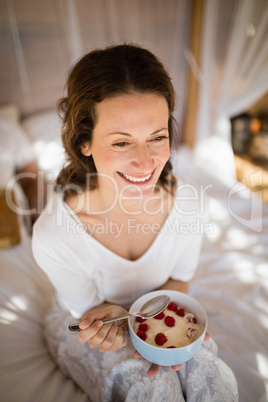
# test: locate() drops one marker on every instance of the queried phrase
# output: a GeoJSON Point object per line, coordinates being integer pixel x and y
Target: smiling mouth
{"type": "Point", "coordinates": [135, 179]}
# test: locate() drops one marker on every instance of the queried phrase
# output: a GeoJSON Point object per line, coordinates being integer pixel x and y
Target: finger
{"type": "Point", "coordinates": [99, 338]}
{"type": "Point", "coordinates": [109, 338]}
{"type": "Point", "coordinates": [85, 334]}
{"type": "Point", "coordinates": [207, 336]}
{"type": "Point", "coordinates": [84, 324]}
{"type": "Point", "coordinates": [176, 368]}
{"type": "Point", "coordinates": [120, 341]}
{"type": "Point", "coordinates": [92, 328]}
{"type": "Point", "coordinates": [153, 370]}
{"type": "Point", "coordinates": [137, 355]}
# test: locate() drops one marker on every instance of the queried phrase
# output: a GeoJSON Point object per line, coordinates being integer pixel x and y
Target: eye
{"type": "Point", "coordinates": [160, 138]}
{"type": "Point", "coordinates": [120, 144]}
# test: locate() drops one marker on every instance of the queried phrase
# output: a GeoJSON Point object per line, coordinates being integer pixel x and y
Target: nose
{"type": "Point", "coordinates": [142, 159]}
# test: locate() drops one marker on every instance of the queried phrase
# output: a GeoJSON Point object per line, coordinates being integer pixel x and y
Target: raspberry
{"type": "Point", "coordinates": [170, 321]}
{"type": "Point", "coordinates": [190, 318]}
{"type": "Point", "coordinates": [160, 339]}
{"type": "Point", "coordinates": [160, 316]}
{"type": "Point", "coordinates": [172, 306]}
{"type": "Point", "coordinates": [143, 327]}
{"type": "Point", "coordinates": [142, 335]}
{"type": "Point", "coordinates": [140, 319]}
{"type": "Point", "coordinates": [171, 347]}
{"type": "Point", "coordinates": [191, 332]}
{"type": "Point", "coordinates": [180, 312]}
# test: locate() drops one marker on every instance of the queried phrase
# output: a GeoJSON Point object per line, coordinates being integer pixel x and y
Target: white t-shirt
{"type": "Point", "coordinates": [85, 273]}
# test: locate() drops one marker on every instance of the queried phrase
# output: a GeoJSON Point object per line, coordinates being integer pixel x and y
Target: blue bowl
{"type": "Point", "coordinates": [173, 356]}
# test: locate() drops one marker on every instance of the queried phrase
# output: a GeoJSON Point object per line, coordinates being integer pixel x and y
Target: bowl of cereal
{"type": "Point", "coordinates": [173, 336]}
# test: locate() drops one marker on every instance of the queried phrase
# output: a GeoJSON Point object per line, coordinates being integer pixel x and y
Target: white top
{"type": "Point", "coordinates": [85, 273]}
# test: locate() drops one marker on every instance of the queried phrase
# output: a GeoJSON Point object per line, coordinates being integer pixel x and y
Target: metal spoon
{"type": "Point", "coordinates": [151, 308]}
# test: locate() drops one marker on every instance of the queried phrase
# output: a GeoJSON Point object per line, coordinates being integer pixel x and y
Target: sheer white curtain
{"type": "Point", "coordinates": [234, 67]}
{"type": "Point", "coordinates": [40, 40]}
{"type": "Point", "coordinates": [161, 26]}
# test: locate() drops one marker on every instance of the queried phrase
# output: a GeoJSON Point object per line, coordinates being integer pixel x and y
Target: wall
{"type": "Point", "coordinates": [41, 39]}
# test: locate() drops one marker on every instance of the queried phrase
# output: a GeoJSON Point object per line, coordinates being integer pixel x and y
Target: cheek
{"type": "Point", "coordinates": [108, 160]}
{"type": "Point", "coordinates": [162, 153]}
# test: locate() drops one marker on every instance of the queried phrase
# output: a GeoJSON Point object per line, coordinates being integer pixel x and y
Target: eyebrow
{"type": "Point", "coordinates": [129, 135]}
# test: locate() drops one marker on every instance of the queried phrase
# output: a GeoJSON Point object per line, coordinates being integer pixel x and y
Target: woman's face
{"type": "Point", "coordinates": [130, 144]}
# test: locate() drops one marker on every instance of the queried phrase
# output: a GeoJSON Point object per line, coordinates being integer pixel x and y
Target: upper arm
{"type": "Point", "coordinates": [76, 291]}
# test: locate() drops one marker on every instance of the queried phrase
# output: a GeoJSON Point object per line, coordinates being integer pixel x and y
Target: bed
{"type": "Point", "coordinates": [231, 281]}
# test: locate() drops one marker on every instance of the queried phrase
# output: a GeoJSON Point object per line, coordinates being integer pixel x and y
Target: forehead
{"type": "Point", "coordinates": [129, 109]}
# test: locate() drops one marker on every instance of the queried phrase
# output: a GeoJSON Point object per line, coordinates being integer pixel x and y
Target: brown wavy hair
{"type": "Point", "coordinates": [101, 74]}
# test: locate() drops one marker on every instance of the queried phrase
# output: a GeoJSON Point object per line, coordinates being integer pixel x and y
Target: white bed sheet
{"type": "Point", "coordinates": [27, 372]}
{"type": "Point", "coordinates": [231, 283]}
{"type": "Point", "coordinates": [232, 279]}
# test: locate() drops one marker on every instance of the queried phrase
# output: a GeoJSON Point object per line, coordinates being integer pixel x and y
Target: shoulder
{"type": "Point", "coordinates": [52, 224]}
{"type": "Point", "coordinates": [53, 240]}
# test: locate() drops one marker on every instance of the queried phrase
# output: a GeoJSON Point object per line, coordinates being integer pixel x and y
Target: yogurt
{"type": "Point", "coordinates": [173, 328]}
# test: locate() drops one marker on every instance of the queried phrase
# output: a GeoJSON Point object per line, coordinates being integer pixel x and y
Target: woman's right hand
{"type": "Point", "coordinates": [104, 337]}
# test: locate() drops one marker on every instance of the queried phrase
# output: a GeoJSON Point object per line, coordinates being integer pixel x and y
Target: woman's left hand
{"type": "Point", "coordinates": [154, 368]}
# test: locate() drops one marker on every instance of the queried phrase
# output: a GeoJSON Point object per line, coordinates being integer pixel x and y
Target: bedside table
{"type": "Point", "coordinates": [255, 175]}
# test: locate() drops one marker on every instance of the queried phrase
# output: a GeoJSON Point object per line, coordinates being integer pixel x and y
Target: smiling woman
{"type": "Point", "coordinates": [113, 81]}
{"type": "Point", "coordinates": [109, 238]}
{"type": "Point", "coordinates": [130, 143]}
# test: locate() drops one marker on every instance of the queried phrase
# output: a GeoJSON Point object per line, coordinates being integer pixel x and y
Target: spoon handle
{"type": "Point", "coordinates": [121, 317]}
{"type": "Point", "coordinates": [75, 327]}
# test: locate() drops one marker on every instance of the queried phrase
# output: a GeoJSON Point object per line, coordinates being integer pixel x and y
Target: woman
{"type": "Point", "coordinates": [120, 226]}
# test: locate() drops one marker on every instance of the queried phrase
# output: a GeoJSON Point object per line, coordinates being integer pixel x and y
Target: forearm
{"type": "Point", "coordinates": [179, 286]}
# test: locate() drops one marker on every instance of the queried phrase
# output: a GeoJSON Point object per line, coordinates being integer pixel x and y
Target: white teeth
{"type": "Point", "coordinates": [135, 179]}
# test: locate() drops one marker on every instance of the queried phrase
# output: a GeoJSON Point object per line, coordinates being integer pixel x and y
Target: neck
{"type": "Point", "coordinates": [159, 202]}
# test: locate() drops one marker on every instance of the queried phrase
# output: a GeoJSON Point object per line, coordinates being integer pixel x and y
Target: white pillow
{"type": "Point", "coordinates": [16, 149]}
{"type": "Point", "coordinates": [44, 130]}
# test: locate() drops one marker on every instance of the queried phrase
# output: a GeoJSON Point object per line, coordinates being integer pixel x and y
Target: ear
{"type": "Point", "coordinates": [86, 149]}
